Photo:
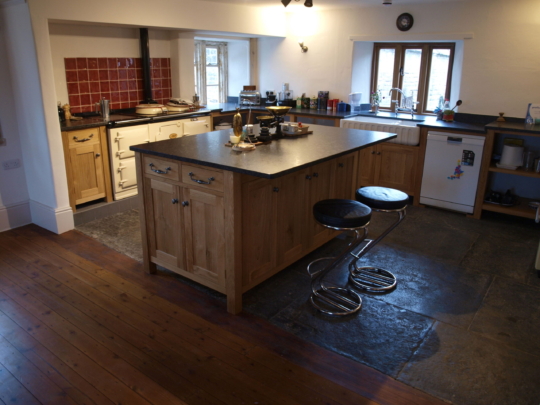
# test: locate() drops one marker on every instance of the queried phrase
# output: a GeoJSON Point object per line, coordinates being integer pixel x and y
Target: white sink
{"type": "Point", "coordinates": [408, 133]}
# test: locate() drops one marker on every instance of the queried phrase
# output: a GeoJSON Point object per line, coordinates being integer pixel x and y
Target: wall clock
{"type": "Point", "coordinates": [404, 22]}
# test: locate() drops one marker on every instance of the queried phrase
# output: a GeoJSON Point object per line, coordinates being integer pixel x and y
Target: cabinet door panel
{"type": "Point", "coordinates": [166, 235]}
{"type": "Point", "coordinates": [398, 167]}
{"type": "Point", "coordinates": [320, 188]}
{"type": "Point", "coordinates": [344, 179]}
{"type": "Point", "coordinates": [258, 229]}
{"type": "Point", "coordinates": [205, 241]}
{"type": "Point", "coordinates": [87, 172]}
{"type": "Point", "coordinates": [367, 167]}
{"type": "Point", "coordinates": [291, 207]}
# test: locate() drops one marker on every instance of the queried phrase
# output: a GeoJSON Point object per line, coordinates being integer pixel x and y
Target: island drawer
{"type": "Point", "coordinates": [203, 177]}
{"type": "Point", "coordinates": [161, 167]}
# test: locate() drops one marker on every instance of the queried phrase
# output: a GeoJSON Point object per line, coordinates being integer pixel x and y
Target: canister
{"type": "Point", "coordinates": [313, 103]}
{"type": "Point", "coordinates": [299, 102]}
{"type": "Point", "coordinates": [305, 102]}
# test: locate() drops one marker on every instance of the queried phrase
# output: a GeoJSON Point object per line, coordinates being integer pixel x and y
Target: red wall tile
{"type": "Point", "coordinates": [116, 79]}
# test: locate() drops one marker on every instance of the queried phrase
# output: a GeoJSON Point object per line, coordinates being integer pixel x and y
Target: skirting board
{"type": "Point", "coordinates": [57, 220]}
{"type": "Point", "coordinates": [14, 215]}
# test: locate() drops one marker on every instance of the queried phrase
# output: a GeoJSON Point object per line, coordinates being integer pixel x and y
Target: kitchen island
{"type": "Point", "coordinates": [230, 220]}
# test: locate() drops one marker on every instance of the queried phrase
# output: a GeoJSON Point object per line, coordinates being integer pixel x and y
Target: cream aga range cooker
{"type": "Point", "coordinates": [140, 129]}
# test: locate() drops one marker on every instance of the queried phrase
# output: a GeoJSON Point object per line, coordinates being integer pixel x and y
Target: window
{"type": "Point", "coordinates": [211, 71]}
{"type": "Point", "coordinates": [422, 71]}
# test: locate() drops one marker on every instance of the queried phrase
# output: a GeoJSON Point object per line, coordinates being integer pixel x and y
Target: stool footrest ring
{"type": "Point", "coordinates": [372, 279]}
{"type": "Point", "coordinates": [336, 300]}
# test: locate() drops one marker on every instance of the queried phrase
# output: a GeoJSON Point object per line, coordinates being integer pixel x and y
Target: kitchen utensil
{"type": "Point", "coordinates": [536, 205]}
{"type": "Point", "coordinates": [458, 103]}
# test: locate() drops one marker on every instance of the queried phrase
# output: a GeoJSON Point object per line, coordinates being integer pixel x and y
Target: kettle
{"type": "Point", "coordinates": [103, 108]}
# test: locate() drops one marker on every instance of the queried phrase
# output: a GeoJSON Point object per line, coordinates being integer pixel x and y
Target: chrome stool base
{"type": "Point", "coordinates": [371, 279]}
{"type": "Point", "coordinates": [330, 300]}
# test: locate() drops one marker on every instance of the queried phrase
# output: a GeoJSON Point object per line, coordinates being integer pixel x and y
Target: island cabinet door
{"type": "Point", "coordinates": [398, 167]}
{"type": "Point", "coordinates": [319, 180]}
{"type": "Point", "coordinates": [290, 196]}
{"type": "Point", "coordinates": [367, 167]}
{"type": "Point", "coordinates": [258, 230]}
{"type": "Point", "coordinates": [204, 227]}
{"type": "Point", "coordinates": [165, 235]}
{"type": "Point", "coordinates": [345, 176]}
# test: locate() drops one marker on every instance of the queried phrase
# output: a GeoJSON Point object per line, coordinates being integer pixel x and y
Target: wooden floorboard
{"type": "Point", "coordinates": [95, 327]}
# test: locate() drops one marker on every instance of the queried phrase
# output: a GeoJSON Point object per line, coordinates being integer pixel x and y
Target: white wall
{"type": "Point", "coordinates": [92, 41]}
{"type": "Point", "coordinates": [14, 207]}
{"type": "Point", "coordinates": [501, 67]}
{"type": "Point", "coordinates": [238, 66]}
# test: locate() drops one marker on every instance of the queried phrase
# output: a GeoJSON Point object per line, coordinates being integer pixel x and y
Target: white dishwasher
{"type": "Point", "coordinates": [451, 170]}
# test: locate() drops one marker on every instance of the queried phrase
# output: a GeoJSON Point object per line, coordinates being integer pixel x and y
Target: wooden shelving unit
{"type": "Point", "coordinates": [521, 209]}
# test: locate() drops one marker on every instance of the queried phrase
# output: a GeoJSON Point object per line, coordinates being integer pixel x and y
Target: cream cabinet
{"type": "Point", "coordinates": [160, 131]}
{"type": "Point", "coordinates": [87, 165]}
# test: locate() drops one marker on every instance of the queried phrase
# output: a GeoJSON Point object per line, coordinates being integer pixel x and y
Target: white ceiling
{"type": "Point", "coordinates": [326, 4]}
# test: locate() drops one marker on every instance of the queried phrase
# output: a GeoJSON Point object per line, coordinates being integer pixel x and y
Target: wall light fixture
{"type": "Point", "coordinates": [302, 46]}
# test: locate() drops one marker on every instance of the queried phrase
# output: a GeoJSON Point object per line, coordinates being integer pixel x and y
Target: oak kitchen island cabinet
{"type": "Point", "coordinates": [230, 220]}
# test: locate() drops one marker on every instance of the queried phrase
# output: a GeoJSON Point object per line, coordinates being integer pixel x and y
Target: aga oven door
{"type": "Point", "coordinates": [166, 130]}
{"type": "Point", "coordinates": [124, 179]}
{"type": "Point", "coordinates": [197, 125]}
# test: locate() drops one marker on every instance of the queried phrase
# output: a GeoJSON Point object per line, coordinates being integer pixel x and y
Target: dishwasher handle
{"type": "Point", "coordinates": [454, 139]}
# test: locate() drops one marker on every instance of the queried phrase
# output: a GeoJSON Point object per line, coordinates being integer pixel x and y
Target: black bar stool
{"type": "Point", "coordinates": [381, 199]}
{"type": "Point", "coordinates": [341, 215]}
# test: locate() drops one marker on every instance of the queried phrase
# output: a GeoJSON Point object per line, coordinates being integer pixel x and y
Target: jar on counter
{"type": "Point", "coordinates": [313, 103]}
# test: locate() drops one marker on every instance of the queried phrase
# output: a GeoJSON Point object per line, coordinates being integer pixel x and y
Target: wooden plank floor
{"type": "Point", "coordinates": [83, 324]}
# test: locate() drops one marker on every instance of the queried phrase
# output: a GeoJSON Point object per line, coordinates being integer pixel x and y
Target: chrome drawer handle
{"type": "Point", "coordinates": [185, 203]}
{"type": "Point", "coordinates": [159, 171]}
{"type": "Point", "coordinates": [210, 179]}
{"type": "Point", "coordinates": [84, 139]}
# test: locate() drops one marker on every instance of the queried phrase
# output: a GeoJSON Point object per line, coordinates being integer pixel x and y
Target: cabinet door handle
{"type": "Point", "coordinates": [185, 203]}
{"type": "Point", "coordinates": [341, 165]}
{"type": "Point", "coordinates": [308, 177]}
{"type": "Point", "coordinates": [159, 171]}
{"type": "Point", "coordinates": [276, 189]}
{"type": "Point", "coordinates": [98, 155]}
{"type": "Point", "coordinates": [210, 179]}
{"type": "Point", "coordinates": [372, 152]}
{"type": "Point", "coordinates": [378, 153]}
{"type": "Point", "coordinates": [315, 174]}
{"type": "Point", "coordinates": [175, 201]}
{"type": "Point", "coordinates": [84, 139]}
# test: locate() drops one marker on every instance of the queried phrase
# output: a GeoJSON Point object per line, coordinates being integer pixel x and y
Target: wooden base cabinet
{"type": "Point", "coordinates": [235, 231]}
{"type": "Point", "coordinates": [87, 165]}
{"type": "Point", "coordinates": [389, 165]}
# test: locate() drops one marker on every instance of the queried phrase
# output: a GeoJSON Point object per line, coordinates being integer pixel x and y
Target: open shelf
{"type": "Point", "coordinates": [518, 172]}
{"type": "Point", "coordinates": [520, 210]}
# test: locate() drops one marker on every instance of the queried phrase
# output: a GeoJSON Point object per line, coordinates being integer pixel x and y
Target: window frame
{"type": "Point", "coordinates": [425, 68]}
{"type": "Point", "coordinates": [200, 65]}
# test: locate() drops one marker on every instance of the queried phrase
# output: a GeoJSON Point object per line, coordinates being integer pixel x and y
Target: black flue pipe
{"type": "Point", "coordinates": [145, 65]}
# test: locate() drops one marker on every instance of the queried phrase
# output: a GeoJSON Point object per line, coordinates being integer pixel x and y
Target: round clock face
{"type": "Point", "coordinates": [405, 22]}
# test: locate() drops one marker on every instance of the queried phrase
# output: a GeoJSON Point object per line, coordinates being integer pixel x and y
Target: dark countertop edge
{"type": "Point", "coordinates": [231, 108]}
{"type": "Point", "coordinates": [455, 125]}
{"type": "Point", "coordinates": [514, 127]}
{"type": "Point", "coordinates": [250, 172]}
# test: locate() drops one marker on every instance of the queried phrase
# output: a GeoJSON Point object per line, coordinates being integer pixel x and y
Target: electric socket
{"type": "Point", "coordinates": [3, 141]}
{"type": "Point", "coordinates": [11, 164]}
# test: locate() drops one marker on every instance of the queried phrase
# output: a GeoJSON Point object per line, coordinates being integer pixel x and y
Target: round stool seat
{"type": "Point", "coordinates": [382, 198]}
{"type": "Point", "coordinates": [341, 213]}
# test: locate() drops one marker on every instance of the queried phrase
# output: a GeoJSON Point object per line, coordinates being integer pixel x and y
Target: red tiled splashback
{"type": "Point", "coordinates": [117, 79]}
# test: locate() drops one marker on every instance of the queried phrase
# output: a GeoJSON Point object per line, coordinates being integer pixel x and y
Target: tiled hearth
{"type": "Point", "coordinates": [116, 79]}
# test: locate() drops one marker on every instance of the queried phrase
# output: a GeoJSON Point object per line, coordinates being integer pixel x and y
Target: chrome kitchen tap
{"type": "Point", "coordinates": [406, 104]}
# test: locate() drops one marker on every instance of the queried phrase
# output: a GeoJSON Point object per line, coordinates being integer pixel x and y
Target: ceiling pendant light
{"type": "Point", "coordinates": [387, 2]}
{"type": "Point", "coordinates": [285, 2]}
{"type": "Point", "coordinates": [308, 3]}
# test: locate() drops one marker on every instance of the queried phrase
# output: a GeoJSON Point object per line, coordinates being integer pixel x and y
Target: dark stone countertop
{"type": "Point", "coordinates": [91, 122]}
{"type": "Point", "coordinates": [227, 108]}
{"type": "Point", "coordinates": [515, 127]}
{"type": "Point", "coordinates": [269, 161]}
